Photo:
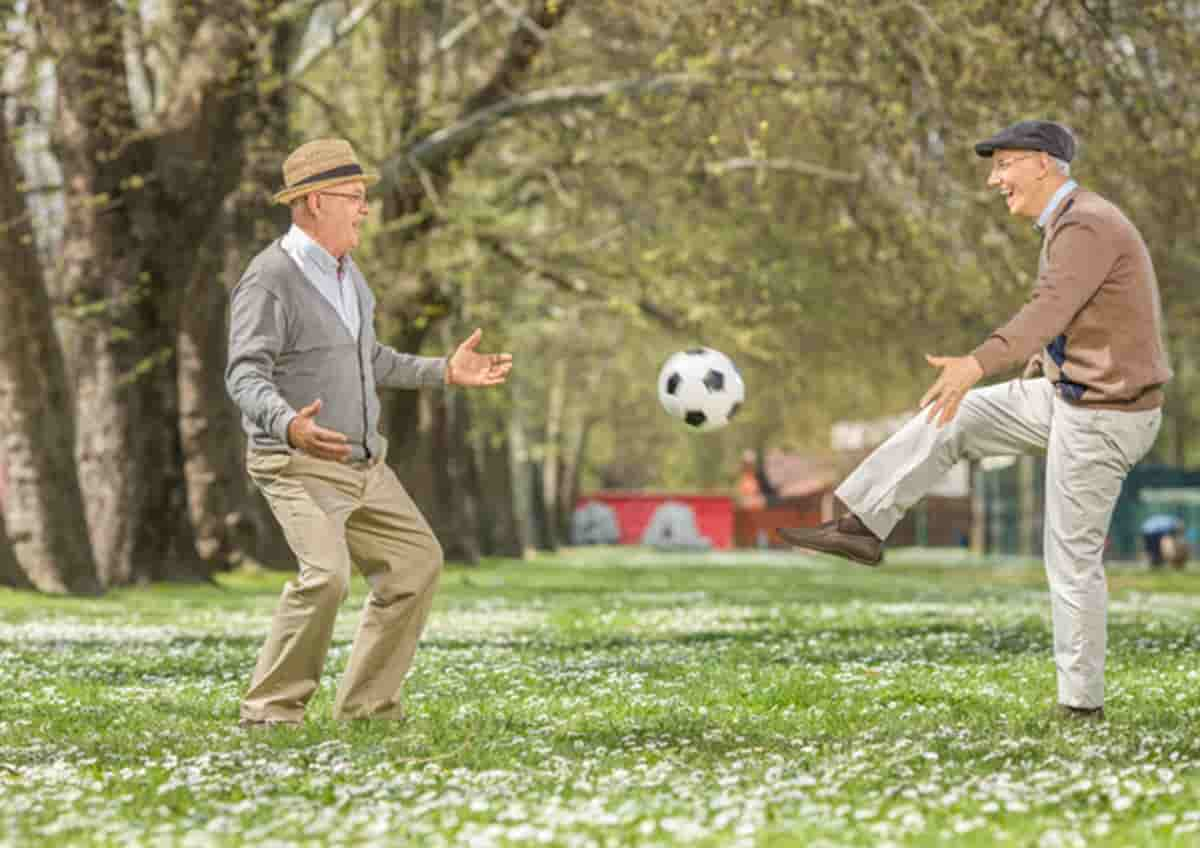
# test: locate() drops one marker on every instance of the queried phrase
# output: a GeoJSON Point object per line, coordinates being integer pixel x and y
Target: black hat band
{"type": "Point", "coordinates": [354, 170]}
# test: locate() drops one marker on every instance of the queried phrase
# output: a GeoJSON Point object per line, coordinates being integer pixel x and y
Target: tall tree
{"type": "Point", "coordinates": [230, 516]}
{"type": "Point", "coordinates": [43, 505]}
{"type": "Point", "coordinates": [143, 195]}
{"type": "Point", "coordinates": [415, 176]}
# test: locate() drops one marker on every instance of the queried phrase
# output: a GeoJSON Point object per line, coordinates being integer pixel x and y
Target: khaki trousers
{"type": "Point", "coordinates": [335, 514]}
{"type": "Point", "coordinates": [1088, 454]}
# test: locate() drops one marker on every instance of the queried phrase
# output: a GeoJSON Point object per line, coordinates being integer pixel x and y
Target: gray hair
{"type": "Point", "coordinates": [1063, 166]}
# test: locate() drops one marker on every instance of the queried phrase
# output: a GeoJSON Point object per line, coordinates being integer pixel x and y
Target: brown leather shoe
{"type": "Point", "coordinates": [1080, 713]}
{"type": "Point", "coordinates": [846, 537]}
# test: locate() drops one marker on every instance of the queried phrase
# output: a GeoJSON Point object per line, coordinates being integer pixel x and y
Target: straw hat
{"type": "Point", "coordinates": [320, 164]}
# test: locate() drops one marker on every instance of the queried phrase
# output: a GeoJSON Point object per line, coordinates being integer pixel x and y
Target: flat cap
{"type": "Point", "coordinates": [1045, 136]}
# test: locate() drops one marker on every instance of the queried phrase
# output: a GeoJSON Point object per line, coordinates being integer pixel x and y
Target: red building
{"type": "Point", "coordinates": [785, 490]}
{"type": "Point", "coordinates": [636, 518]}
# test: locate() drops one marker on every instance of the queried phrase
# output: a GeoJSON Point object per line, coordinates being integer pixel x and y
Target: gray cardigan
{"type": "Point", "coordinates": [288, 347]}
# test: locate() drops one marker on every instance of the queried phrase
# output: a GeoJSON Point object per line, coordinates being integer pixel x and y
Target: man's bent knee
{"type": "Point", "coordinates": [324, 587]}
{"type": "Point", "coordinates": [431, 562]}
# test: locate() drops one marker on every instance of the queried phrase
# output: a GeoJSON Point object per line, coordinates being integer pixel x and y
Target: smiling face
{"type": "Point", "coordinates": [1026, 178]}
{"type": "Point", "coordinates": [334, 216]}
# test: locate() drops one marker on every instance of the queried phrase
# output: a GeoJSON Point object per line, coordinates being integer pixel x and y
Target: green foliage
{"type": "Point", "coordinates": [807, 201]}
{"type": "Point", "coordinates": [798, 189]}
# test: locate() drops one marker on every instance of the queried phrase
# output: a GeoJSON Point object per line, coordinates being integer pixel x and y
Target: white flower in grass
{"type": "Point", "coordinates": [1061, 839]}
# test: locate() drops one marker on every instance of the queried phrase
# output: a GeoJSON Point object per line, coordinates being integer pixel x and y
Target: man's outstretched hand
{"type": "Point", "coordinates": [959, 374]}
{"type": "Point", "coordinates": [305, 434]}
{"type": "Point", "coordinates": [467, 367]}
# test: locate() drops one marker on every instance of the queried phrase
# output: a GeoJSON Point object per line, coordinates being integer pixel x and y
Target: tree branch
{"type": "Point", "coordinates": [798, 166]}
{"type": "Point", "coordinates": [212, 56]}
{"type": "Point", "coordinates": [406, 179]}
{"type": "Point", "coordinates": [522, 20]}
{"type": "Point", "coordinates": [442, 145]}
{"type": "Point", "coordinates": [337, 118]}
{"type": "Point", "coordinates": [436, 150]}
{"type": "Point", "coordinates": [346, 26]}
{"type": "Point", "coordinates": [572, 284]}
{"type": "Point", "coordinates": [461, 29]}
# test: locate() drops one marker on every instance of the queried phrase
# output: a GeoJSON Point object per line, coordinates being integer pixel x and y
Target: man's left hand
{"type": "Point", "coordinates": [959, 374]}
{"type": "Point", "coordinates": [467, 367]}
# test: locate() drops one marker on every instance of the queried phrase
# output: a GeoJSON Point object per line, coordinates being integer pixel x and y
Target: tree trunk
{"type": "Point", "coordinates": [522, 470]}
{"type": "Point", "coordinates": [123, 323]}
{"type": "Point", "coordinates": [456, 513]}
{"type": "Point", "coordinates": [501, 528]}
{"type": "Point", "coordinates": [540, 518]}
{"type": "Point", "coordinates": [442, 477]}
{"type": "Point", "coordinates": [139, 204]}
{"type": "Point", "coordinates": [1179, 423]}
{"type": "Point", "coordinates": [571, 464]}
{"type": "Point", "coordinates": [230, 515]}
{"type": "Point", "coordinates": [129, 451]}
{"type": "Point", "coordinates": [45, 513]}
{"type": "Point", "coordinates": [208, 425]}
{"type": "Point", "coordinates": [10, 571]}
{"type": "Point", "coordinates": [428, 447]}
{"type": "Point", "coordinates": [556, 402]}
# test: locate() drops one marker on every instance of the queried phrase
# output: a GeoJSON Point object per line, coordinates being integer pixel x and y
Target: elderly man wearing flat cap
{"type": "Point", "coordinates": [1093, 329]}
{"type": "Point", "coordinates": [304, 364]}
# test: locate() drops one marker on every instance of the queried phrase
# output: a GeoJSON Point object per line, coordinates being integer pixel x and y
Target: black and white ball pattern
{"type": "Point", "coordinates": [702, 387]}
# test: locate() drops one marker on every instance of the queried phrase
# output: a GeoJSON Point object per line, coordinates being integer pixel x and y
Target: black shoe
{"type": "Point", "coordinates": [846, 537]}
{"type": "Point", "coordinates": [1080, 713]}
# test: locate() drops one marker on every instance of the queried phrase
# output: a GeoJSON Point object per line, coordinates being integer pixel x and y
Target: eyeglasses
{"type": "Point", "coordinates": [999, 166]}
{"type": "Point", "coordinates": [359, 199]}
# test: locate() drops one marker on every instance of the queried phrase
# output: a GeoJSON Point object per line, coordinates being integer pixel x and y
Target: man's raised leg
{"type": "Point", "coordinates": [1007, 419]}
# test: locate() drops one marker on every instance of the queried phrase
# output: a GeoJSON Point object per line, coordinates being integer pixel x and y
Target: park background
{"type": "Point", "coordinates": [597, 185]}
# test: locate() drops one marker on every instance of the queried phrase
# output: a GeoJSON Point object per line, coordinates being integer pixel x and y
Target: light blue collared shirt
{"type": "Point", "coordinates": [1057, 198]}
{"type": "Point", "coordinates": [321, 269]}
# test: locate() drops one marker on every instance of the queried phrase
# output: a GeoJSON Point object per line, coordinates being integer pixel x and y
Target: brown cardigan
{"type": "Point", "coordinates": [1094, 322]}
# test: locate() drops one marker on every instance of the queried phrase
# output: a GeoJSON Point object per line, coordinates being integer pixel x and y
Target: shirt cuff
{"type": "Point", "coordinates": [281, 427]}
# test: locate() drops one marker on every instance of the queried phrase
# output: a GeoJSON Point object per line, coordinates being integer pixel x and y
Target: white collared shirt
{"type": "Point", "coordinates": [321, 269]}
{"type": "Point", "coordinates": [1055, 199]}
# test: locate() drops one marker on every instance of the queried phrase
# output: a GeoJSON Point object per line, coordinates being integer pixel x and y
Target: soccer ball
{"type": "Point", "coordinates": [702, 386]}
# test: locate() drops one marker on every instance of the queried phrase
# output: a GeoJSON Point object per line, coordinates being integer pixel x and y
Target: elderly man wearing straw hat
{"type": "Point", "coordinates": [304, 364]}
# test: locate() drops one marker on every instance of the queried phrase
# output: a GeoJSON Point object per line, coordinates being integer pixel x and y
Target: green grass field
{"type": "Point", "coordinates": [617, 697]}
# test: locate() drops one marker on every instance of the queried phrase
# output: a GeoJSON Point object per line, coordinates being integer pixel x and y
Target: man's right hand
{"type": "Point", "coordinates": [306, 435]}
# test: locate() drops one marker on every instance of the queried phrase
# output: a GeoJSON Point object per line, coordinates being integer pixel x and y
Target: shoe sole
{"type": "Point", "coordinates": [1065, 714]}
{"type": "Point", "coordinates": [837, 552]}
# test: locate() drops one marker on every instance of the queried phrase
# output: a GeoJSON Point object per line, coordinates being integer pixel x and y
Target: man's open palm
{"type": "Point", "coordinates": [958, 375]}
{"type": "Point", "coordinates": [468, 367]}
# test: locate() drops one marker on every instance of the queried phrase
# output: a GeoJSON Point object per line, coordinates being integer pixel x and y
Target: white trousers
{"type": "Point", "coordinates": [1088, 454]}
